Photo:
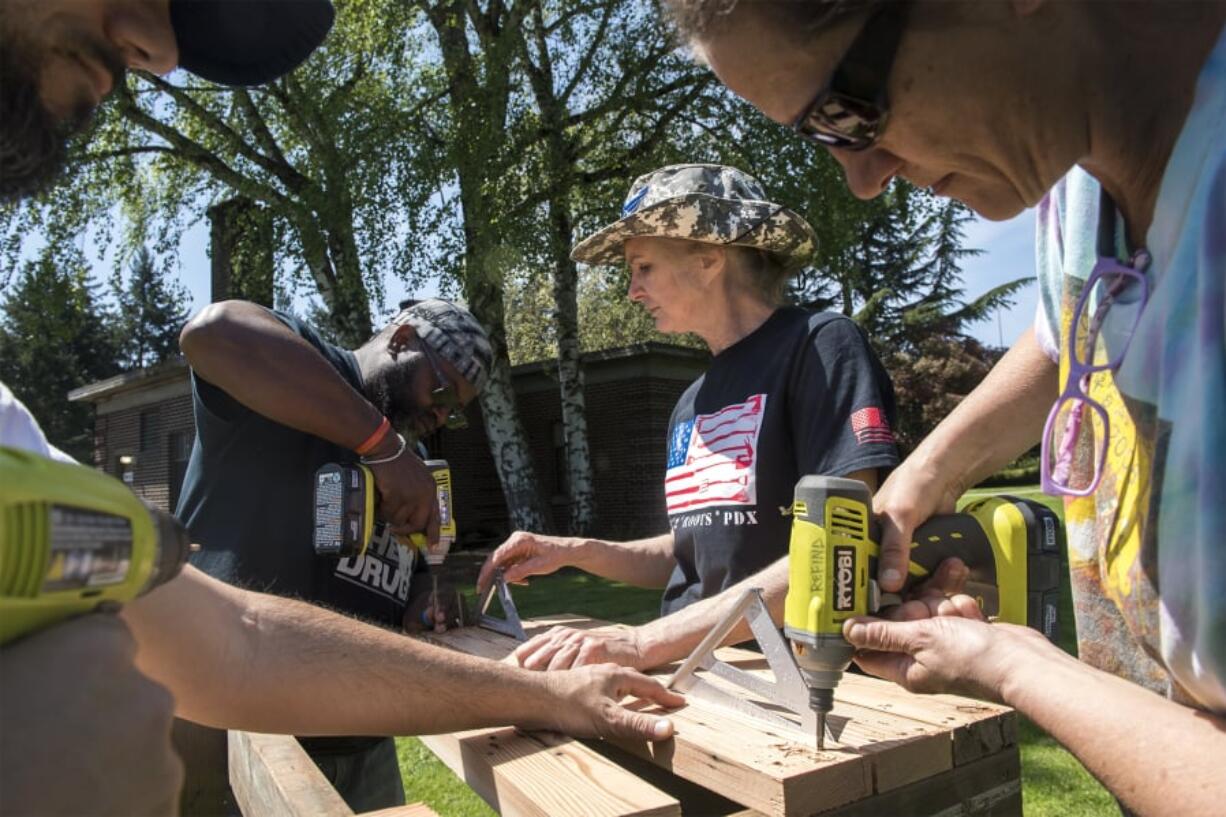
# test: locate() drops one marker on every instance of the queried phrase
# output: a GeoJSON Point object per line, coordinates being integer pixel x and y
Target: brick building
{"type": "Point", "coordinates": [144, 433]}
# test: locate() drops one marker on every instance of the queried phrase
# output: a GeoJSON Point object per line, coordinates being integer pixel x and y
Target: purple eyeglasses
{"type": "Point", "coordinates": [1064, 463]}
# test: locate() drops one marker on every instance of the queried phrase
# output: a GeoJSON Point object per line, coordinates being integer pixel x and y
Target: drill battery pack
{"type": "Point", "coordinates": [344, 510]}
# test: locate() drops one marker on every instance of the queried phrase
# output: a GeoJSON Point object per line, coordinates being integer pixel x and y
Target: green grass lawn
{"type": "Point", "coordinates": [1054, 783]}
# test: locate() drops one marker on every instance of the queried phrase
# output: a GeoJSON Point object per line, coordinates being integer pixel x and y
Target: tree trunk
{"type": "Point", "coordinates": [508, 443]}
{"type": "Point", "coordinates": [512, 456]}
{"type": "Point", "coordinates": [480, 110]}
{"type": "Point", "coordinates": [570, 376]}
{"type": "Point", "coordinates": [350, 306]}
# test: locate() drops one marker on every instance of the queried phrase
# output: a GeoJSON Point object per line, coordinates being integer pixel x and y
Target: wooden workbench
{"type": "Point", "coordinates": [893, 753]}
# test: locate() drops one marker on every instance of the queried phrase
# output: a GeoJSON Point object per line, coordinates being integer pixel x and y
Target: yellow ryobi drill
{"type": "Point", "coordinates": [1011, 546]}
{"type": "Point", "coordinates": [345, 498]}
{"type": "Point", "coordinates": [74, 540]}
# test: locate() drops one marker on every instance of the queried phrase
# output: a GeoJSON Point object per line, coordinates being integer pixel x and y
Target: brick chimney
{"type": "Point", "coordinates": [240, 233]}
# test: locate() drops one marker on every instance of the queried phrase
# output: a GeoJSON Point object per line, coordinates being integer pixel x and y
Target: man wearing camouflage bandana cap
{"type": "Point", "coordinates": [714, 204]}
{"type": "Point", "coordinates": [454, 333]}
{"type": "Point", "coordinates": [273, 403]}
{"type": "Point", "coordinates": [789, 392]}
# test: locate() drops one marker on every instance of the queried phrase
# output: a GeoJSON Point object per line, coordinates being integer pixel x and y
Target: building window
{"type": "Point", "coordinates": [178, 452]}
{"type": "Point", "coordinates": [148, 429]}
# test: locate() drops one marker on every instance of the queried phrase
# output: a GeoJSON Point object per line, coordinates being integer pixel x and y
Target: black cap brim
{"type": "Point", "coordinates": [248, 42]}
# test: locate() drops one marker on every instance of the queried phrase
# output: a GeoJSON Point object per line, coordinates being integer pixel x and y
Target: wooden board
{"type": "Point", "coordinates": [878, 749]}
{"type": "Point", "coordinates": [272, 776]}
{"type": "Point", "coordinates": [988, 787]}
{"type": "Point", "coordinates": [546, 775]}
{"type": "Point", "coordinates": [978, 729]}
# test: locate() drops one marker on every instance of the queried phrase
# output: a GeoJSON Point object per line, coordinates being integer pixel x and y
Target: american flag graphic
{"type": "Point", "coordinates": [871, 426]}
{"type": "Point", "coordinates": [711, 458]}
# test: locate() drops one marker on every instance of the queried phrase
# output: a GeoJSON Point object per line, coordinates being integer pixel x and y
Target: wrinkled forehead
{"type": "Point", "coordinates": [775, 66]}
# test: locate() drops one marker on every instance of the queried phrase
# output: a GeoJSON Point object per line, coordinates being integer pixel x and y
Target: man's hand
{"type": "Point", "coordinates": [947, 647]}
{"type": "Point", "coordinates": [909, 497]}
{"type": "Point", "coordinates": [526, 554]}
{"type": "Point", "coordinates": [587, 702]}
{"type": "Point", "coordinates": [565, 648]}
{"type": "Point", "coordinates": [408, 495]}
{"type": "Point", "coordinates": [83, 731]}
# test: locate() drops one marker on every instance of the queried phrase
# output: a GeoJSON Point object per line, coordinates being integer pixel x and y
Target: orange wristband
{"type": "Point", "coordinates": [374, 439]}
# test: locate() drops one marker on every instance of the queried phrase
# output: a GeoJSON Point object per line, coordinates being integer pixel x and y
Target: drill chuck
{"type": "Point", "coordinates": [821, 699]}
{"type": "Point", "coordinates": [174, 547]}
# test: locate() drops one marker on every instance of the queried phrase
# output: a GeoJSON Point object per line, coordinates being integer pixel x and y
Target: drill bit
{"type": "Point", "coordinates": [821, 701]}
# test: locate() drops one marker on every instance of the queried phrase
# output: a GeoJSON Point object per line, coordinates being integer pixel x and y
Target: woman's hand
{"type": "Point", "coordinates": [526, 554]}
{"type": "Point", "coordinates": [940, 644]}
{"type": "Point", "coordinates": [566, 647]}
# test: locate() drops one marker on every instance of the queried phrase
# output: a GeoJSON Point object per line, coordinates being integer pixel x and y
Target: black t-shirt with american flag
{"type": "Point", "coordinates": [802, 394]}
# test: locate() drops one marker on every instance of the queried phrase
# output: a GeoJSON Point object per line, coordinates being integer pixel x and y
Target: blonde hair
{"type": "Point", "coordinates": [761, 272]}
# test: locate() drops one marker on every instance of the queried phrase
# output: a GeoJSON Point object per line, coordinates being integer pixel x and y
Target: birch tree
{"type": "Point", "coordinates": [606, 110]}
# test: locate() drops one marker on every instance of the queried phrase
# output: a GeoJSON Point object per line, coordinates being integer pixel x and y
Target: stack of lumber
{"type": "Point", "coordinates": [892, 753]}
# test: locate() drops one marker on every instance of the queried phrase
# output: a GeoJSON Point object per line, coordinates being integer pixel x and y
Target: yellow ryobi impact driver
{"type": "Point", "coordinates": [74, 540]}
{"type": "Point", "coordinates": [1011, 546]}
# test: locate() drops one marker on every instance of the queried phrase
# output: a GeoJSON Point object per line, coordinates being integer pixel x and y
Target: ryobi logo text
{"type": "Point", "coordinates": [844, 579]}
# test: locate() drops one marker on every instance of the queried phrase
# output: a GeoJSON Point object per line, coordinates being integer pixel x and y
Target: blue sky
{"type": "Point", "coordinates": [1008, 255]}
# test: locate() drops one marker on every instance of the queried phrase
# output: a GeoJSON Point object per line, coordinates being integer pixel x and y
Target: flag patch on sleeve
{"type": "Point", "coordinates": [871, 426]}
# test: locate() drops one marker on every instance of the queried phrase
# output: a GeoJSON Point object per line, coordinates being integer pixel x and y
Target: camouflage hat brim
{"type": "Point", "coordinates": [709, 219]}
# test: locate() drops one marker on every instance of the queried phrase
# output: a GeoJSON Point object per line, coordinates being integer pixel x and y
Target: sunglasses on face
{"type": "Point", "coordinates": [445, 394]}
{"type": "Point", "coordinates": [850, 112]}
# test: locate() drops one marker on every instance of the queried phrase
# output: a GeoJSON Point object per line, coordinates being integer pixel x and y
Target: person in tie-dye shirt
{"type": "Point", "coordinates": [992, 104]}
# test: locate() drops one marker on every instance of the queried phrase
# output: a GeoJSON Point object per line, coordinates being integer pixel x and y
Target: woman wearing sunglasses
{"type": "Point", "coordinates": [992, 104]}
{"type": "Point", "coordinates": [789, 392]}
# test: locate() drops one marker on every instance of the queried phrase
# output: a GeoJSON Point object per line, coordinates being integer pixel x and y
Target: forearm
{"type": "Point", "coordinates": [1156, 756]}
{"type": "Point", "coordinates": [257, 360]}
{"type": "Point", "coordinates": [642, 562]}
{"type": "Point", "coordinates": [236, 659]}
{"type": "Point", "coordinates": [673, 637]}
{"type": "Point", "coordinates": [996, 423]}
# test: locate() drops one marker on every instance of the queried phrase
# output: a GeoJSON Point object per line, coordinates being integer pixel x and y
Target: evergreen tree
{"type": "Point", "coordinates": [55, 337]}
{"type": "Point", "coordinates": [151, 311]}
{"type": "Point", "coordinates": [900, 274]}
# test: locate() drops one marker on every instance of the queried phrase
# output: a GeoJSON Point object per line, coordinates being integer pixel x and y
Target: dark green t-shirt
{"type": "Point", "coordinates": [247, 500]}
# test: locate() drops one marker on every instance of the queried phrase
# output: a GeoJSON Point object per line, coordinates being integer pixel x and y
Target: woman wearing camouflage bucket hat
{"type": "Point", "coordinates": [789, 392]}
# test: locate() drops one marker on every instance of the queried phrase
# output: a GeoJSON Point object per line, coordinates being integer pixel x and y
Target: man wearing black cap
{"type": "Point", "coordinates": [60, 58]}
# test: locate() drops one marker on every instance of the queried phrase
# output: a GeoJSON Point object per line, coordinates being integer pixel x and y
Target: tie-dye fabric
{"type": "Point", "coordinates": [1148, 551]}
